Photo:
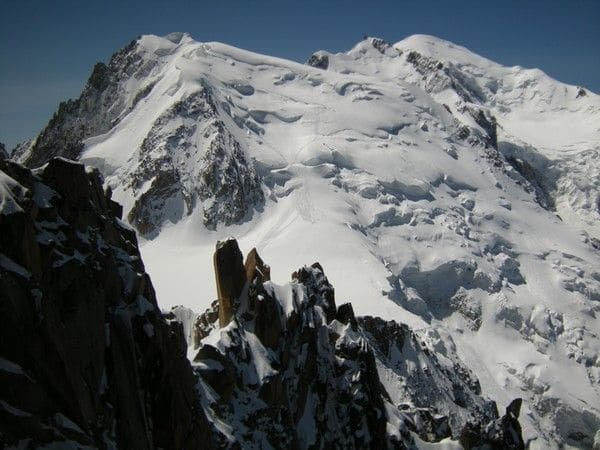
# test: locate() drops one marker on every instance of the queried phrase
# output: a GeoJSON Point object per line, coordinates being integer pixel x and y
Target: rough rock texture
{"type": "Point", "coordinates": [205, 323]}
{"type": "Point", "coordinates": [20, 149]}
{"type": "Point", "coordinates": [87, 359]}
{"type": "Point", "coordinates": [381, 45]}
{"type": "Point", "coordinates": [230, 275]}
{"type": "Point", "coordinates": [438, 76]}
{"type": "Point", "coordinates": [319, 61]}
{"type": "Point", "coordinates": [292, 370]}
{"type": "Point", "coordinates": [97, 110]}
{"type": "Point", "coordinates": [3, 154]}
{"type": "Point", "coordinates": [501, 434]}
{"type": "Point", "coordinates": [422, 371]}
{"type": "Point", "coordinates": [189, 159]}
{"type": "Point", "coordinates": [256, 267]}
{"type": "Point", "coordinates": [85, 355]}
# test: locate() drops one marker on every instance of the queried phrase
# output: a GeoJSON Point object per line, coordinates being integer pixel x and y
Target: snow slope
{"type": "Point", "coordinates": [435, 187]}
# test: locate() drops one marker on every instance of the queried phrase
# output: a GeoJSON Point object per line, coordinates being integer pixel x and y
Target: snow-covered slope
{"type": "Point", "coordinates": [435, 187]}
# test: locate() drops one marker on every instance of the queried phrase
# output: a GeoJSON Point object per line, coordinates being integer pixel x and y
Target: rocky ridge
{"type": "Point", "coordinates": [284, 365]}
{"type": "Point", "coordinates": [222, 181]}
{"type": "Point", "coordinates": [99, 108]}
{"type": "Point", "coordinates": [439, 189]}
{"type": "Point", "coordinates": [177, 172]}
{"type": "Point", "coordinates": [86, 358]}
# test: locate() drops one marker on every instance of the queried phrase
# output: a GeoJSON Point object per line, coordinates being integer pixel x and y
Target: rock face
{"type": "Point", "coordinates": [319, 61]}
{"type": "Point", "coordinates": [502, 433]}
{"type": "Point", "coordinates": [256, 267]}
{"type": "Point", "coordinates": [423, 158]}
{"type": "Point", "coordinates": [189, 159]}
{"type": "Point", "coordinates": [97, 110]}
{"type": "Point", "coordinates": [3, 154]}
{"type": "Point", "coordinates": [292, 370]}
{"type": "Point", "coordinates": [86, 358]}
{"type": "Point", "coordinates": [231, 278]}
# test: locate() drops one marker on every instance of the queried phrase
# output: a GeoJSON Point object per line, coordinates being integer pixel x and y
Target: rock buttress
{"type": "Point", "coordinates": [86, 358]}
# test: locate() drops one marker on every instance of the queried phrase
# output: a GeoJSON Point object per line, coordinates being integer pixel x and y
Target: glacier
{"type": "Point", "coordinates": [435, 187]}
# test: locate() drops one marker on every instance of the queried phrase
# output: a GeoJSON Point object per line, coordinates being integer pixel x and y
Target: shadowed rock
{"type": "Point", "coordinates": [345, 315]}
{"type": "Point", "coordinates": [230, 276]}
{"type": "Point", "coordinates": [86, 358]}
{"type": "Point", "coordinates": [256, 267]}
{"type": "Point", "coordinates": [500, 434]}
{"type": "Point", "coordinates": [294, 368]}
{"type": "Point", "coordinates": [318, 60]}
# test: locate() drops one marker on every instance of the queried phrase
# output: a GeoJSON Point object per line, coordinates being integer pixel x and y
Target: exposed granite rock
{"type": "Point", "coordinates": [438, 76]}
{"type": "Point", "coordinates": [319, 61]}
{"type": "Point", "coordinates": [256, 268]}
{"type": "Point", "coordinates": [230, 187]}
{"type": "Point", "coordinates": [298, 372]}
{"type": "Point", "coordinates": [381, 45]}
{"type": "Point", "coordinates": [86, 358]}
{"type": "Point", "coordinates": [426, 375]}
{"type": "Point", "coordinates": [318, 290]}
{"type": "Point", "coordinates": [20, 149]}
{"type": "Point", "coordinates": [230, 275]}
{"type": "Point", "coordinates": [205, 323]}
{"type": "Point", "coordinates": [486, 121]}
{"type": "Point", "coordinates": [97, 110]}
{"type": "Point", "coordinates": [174, 176]}
{"type": "Point", "coordinates": [345, 315]}
{"type": "Point", "coordinates": [501, 434]}
{"type": "Point", "coordinates": [316, 388]}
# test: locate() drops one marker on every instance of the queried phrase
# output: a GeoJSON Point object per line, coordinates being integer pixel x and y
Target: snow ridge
{"type": "Point", "coordinates": [437, 188]}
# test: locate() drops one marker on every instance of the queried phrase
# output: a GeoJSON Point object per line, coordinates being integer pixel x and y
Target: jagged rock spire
{"type": "Point", "coordinates": [256, 267]}
{"type": "Point", "coordinates": [230, 276]}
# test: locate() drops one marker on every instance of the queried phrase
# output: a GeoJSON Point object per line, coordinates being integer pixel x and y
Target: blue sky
{"type": "Point", "coordinates": [47, 48]}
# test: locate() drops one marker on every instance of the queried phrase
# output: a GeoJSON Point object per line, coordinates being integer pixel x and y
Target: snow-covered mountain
{"type": "Point", "coordinates": [435, 187]}
{"type": "Point", "coordinates": [88, 360]}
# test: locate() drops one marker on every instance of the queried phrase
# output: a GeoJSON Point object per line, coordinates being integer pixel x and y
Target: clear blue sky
{"type": "Point", "coordinates": [47, 48]}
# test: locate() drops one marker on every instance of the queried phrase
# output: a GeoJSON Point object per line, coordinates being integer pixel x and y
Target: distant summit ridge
{"type": "Point", "coordinates": [439, 189]}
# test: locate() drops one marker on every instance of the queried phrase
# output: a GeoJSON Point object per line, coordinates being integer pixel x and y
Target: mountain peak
{"type": "Point", "coordinates": [440, 189]}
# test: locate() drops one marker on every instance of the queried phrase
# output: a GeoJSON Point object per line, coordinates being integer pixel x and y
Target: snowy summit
{"type": "Point", "coordinates": [435, 187]}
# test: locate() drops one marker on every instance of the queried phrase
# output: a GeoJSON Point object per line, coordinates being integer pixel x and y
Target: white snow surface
{"type": "Point", "coordinates": [363, 172]}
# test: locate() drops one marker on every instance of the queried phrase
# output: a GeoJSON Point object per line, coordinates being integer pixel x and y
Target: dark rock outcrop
{"type": "Point", "coordinates": [188, 158]}
{"type": "Point", "coordinates": [3, 154]}
{"type": "Point", "coordinates": [501, 434]}
{"type": "Point", "coordinates": [380, 45]}
{"type": "Point", "coordinates": [222, 180]}
{"type": "Point", "coordinates": [438, 76]}
{"type": "Point", "coordinates": [97, 110]}
{"type": "Point", "coordinates": [319, 61]}
{"type": "Point", "coordinates": [230, 276]}
{"type": "Point", "coordinates": [295, 371]}
{"type": "Point", "coordinates": [205, 323]}
{"type": "Point", "coordinates": [256, 268]}
{"type": "Point", "coordinates": [86, 358]}
{"type": "Point", "coordinates": [290, 377]}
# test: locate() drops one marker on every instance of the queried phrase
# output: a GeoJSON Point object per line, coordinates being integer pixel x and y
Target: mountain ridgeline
{"type": "Point", "coordinates": [88, 359]}
{"type": "Point", "coordinates": [453, 201]}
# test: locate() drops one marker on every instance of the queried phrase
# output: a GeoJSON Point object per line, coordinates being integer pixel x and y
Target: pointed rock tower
{"type": "Point", "coordinates": [230, 276]}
